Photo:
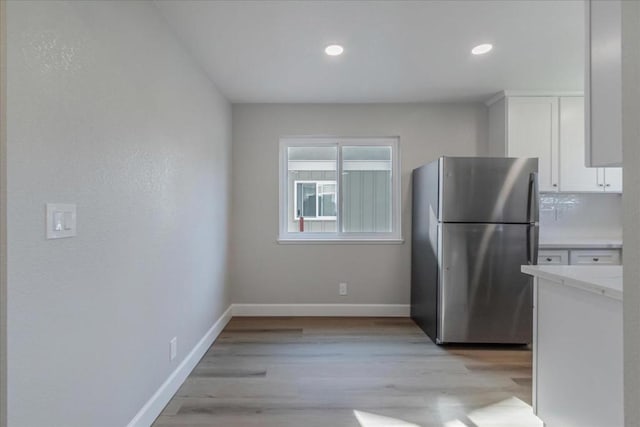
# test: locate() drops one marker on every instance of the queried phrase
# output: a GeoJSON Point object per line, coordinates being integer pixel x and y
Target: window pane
{"type": "Point", "coordinates": [366, 189]}
{"type": "Point", "coordinates": [307, 154]}
{"type": "Point", "coordinates": [327, 199]}
{"type": "Point", "coordinates": [308, 191]}
{"type": "Point", "coordinates": [308, 170]}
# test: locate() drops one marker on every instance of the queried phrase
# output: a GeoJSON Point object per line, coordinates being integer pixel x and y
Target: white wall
{"type": "Point", "coordinates": [263, 271]}
{"type": "Point", "coordinates": [3, 222]}
{"type": "Point", "coordinates": [631, 160]}
{"type": "Point", "coordinates": [580, 215]}
{"type": "Point", "coordinates": [106, 110]}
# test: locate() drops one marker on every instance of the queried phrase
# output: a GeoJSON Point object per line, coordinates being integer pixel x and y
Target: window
{"type": "Point", "coordinates": [339, 189]}
{"type": "Point", "coordinates": [315, 200]}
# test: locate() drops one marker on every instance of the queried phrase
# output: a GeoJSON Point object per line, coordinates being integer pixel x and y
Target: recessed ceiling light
{"type": "Point", "coordinates": [334, 50]}
{"type": "Point", "coordinates": [481, 49]}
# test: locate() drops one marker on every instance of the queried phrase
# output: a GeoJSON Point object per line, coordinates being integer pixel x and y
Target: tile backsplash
{"type": "Point", "coordinates": [573, 215]}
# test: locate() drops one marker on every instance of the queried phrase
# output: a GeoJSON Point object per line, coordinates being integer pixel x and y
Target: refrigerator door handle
{"type": "Point", "coordinates": [532, 244]}
{"type": "Point", "coordinates": [532, 204]}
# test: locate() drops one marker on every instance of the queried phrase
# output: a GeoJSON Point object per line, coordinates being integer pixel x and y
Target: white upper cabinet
{"type": "Point", "coordinates": [574, 176]}
{"type": "Point", "coordinates": [532, 129]}
{"type": "Point", "coordinates": [603, 88]}
{"type": "Point", "coordinates": [552, 129]}
{"type": "Point", "coordinates": [613, 180]}
{"type": "Point", "coordinates": [527, 127]}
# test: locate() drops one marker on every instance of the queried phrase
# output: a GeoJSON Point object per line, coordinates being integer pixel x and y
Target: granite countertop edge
{"type": "Point", "coordinates": [602, 280]}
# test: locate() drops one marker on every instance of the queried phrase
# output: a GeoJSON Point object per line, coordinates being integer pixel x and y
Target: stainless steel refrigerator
{"type": "Point", "coordinates": [475, 222]}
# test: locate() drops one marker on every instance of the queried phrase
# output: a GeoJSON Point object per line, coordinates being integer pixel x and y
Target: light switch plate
{"type": "Point", "coordinates": [60, 220]}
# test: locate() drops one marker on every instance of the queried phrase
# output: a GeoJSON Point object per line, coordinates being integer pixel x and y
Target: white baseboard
{"type": "Point", "coordinates": [154, 406]}
{"type": "Point", "coordinates": [322, 310]}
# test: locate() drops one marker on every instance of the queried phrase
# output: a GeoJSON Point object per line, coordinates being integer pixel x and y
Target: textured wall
{"type": "Point", "coordinates": [263, 271]}
{"type": "Point", "coordinates": [631, 201]}
{"type": "Point", "coordinates": [106, 110]}
{"type": "Point", "coordinates": [3, 221]}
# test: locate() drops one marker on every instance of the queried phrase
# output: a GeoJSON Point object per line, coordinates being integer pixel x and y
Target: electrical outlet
{"type": "Point", "coordinates": [343, 289]}
{"type": "Point", "coordinates": [173, 346]}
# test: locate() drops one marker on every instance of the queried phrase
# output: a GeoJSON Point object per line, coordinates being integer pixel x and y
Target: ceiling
{"type": "Point", "coordinates": [395, 51]}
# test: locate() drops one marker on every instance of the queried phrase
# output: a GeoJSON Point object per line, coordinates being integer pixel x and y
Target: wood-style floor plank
{"type": "Point", "coordinates": [361, 372]}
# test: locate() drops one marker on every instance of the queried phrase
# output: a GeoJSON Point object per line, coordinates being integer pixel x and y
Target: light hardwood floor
{"type": "Point", "coordinates": [359, 372]}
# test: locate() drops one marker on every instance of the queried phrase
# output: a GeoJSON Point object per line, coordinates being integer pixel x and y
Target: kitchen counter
{"type": "Point", "coordinates": [577, 345]}
{"type": "Point", "coordinates": [601, 279]}
{"type": "Point", "coordinates": [581, 243]}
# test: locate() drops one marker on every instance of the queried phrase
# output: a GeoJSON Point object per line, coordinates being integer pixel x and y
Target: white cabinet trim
{"type": "Point", "coordinates": [530, 93]}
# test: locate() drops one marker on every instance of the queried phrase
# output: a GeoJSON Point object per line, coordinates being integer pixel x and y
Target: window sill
{"type": "Point", "coordinates": [315, 241]}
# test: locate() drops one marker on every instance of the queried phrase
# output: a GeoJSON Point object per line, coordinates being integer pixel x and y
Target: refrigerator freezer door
{"type": "Point", "coordinates": [484, 298]}
{"type": "Point", "coordinates": [487, 189]}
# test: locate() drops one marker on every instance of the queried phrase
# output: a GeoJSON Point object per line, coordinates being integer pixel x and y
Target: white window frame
{"type": "Point", "coordinates": [317, 183]}
{"type": "Point", "coordinates": [285, 236]}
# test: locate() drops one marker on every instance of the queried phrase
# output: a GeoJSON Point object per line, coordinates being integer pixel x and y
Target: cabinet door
{"type": "Point", "coordinates": [613, 180]}
{"type": "Point", "coordinates": [553, 257]}
{"type": "Point", "coordinates": [533, 132]}
{"type": "Point", "coordinates": [595, 256]}
{"type": "Point", "coordinates": [603, 83]}
{"type": "Point", "coordinates": [574, 175]}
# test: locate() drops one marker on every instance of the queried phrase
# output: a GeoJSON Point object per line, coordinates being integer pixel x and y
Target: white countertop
{"type": "Point", "coordinates": [602, 279]}
{"type": "Point", "coordinates": [581, 243]}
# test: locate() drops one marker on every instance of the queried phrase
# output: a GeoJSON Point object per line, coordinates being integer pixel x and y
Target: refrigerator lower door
{"type": "Point", "coordinates": [483, 296]}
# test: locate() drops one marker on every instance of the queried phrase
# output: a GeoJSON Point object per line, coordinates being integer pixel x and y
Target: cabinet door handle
{"type": "Point", "coordinates": [555, 185]}
{"type": "Point", "coordinates": [608, 185]}
{"type": "Point", "coordinates": [548, 259]}
{"type": "Point", "coordinates": [600, 185]}
{"type": "Point", "coordinates": [596, 259]}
